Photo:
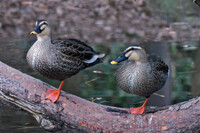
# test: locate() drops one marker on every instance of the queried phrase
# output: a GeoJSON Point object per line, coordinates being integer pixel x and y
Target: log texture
{"type": "Point", "coordinates": [73, 114]}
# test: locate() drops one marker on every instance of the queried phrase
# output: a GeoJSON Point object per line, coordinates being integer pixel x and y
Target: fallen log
{"type": "Point", "coordinates": [73, 114]}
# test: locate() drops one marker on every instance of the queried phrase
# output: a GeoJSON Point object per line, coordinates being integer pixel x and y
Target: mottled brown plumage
{"type": "Point", "coordinates": [142, 79]}
{"type": "Point", "coordinates": [60, 58]}
{"type": "Point", "coordinates": [140, 74]}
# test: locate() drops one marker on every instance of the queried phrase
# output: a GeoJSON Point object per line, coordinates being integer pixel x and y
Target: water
{"type": "Point", "coordinates": [98, 83]}
{"type": "Point", "coordinates": [13, 121]}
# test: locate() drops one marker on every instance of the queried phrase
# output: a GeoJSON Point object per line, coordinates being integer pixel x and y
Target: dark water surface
{"type": "Point", "coordinates": [98, 83]}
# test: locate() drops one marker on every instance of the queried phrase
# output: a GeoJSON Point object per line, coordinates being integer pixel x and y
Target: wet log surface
{"type": "Point", "coordinates": [73, 114]}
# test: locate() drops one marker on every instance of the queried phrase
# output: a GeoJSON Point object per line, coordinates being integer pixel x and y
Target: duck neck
{"type": "Point", "coordinates": [43, 38]}
{"type": "Point", "coordinates": [138, 62]}
{"type": "Point", "coordinates": [143, 58]}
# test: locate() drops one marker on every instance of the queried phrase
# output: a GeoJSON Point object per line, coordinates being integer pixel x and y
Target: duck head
{"type": "Point", "coordinates": [134, 53]}
{"type": "Point", "coordinates": [41, 29]}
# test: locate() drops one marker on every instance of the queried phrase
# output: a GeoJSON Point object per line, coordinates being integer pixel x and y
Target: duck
{"type": "Point", "coordinates": [140, 74]}
{"type": "Point", "coordinates": [59, 59]}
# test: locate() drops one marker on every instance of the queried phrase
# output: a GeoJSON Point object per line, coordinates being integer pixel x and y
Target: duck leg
{"type": "Point", "coordinates": [52, 94]}
{"type": "Point", "coordinates": [139, 110]}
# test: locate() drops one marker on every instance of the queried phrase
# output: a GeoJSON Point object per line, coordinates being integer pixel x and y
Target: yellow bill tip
{"type": "Point", "coordinates": [113, 62]}
{"type": "Point", "coordinates": [33, 32]}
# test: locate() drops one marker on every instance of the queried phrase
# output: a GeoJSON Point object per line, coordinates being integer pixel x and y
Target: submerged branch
{"type": "Point", "coordinates": [74, 114]}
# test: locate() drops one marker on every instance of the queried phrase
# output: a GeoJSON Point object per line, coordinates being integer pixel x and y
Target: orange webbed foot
{"type": "Point", "coordinates": [139, 110]}
{"type": "Point", "coordinates": [52, 95]}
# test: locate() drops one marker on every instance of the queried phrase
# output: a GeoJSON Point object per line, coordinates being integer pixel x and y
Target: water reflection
{"type": "Point", "coordinates": [13, 121]}
{"type": "Point", "coordinates": [98, 83]}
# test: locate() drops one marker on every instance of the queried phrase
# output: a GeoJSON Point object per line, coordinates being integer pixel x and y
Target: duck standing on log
{"type": "Point", "coordinates": [59, 59]}
{"type": "Point", "coordinates": [140, 74]}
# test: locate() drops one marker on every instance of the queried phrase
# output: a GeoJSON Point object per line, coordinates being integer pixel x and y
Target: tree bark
{"type": "Point", "coordinates": [73, 114]}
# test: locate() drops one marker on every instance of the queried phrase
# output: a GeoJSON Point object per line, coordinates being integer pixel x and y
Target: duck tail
{"type": "Point", "coordinates": [101, 55]}
{"type": "Point", "coordinates": [98, 59]}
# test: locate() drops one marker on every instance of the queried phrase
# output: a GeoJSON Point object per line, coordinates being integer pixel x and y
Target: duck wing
{"type": "Point", "coordinates": [73, 48]}
{"type": "Point", "coordinates": [158, 64]}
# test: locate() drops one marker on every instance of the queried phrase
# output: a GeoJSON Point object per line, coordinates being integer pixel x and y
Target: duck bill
{"type": "Point", "coordinates": [118, 60]}
{"type": "Point", "coordinates": [33, 32]}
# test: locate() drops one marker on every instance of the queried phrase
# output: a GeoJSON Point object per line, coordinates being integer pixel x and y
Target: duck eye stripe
{"type": "Point", "coordinates": [130, 49]}
{"type": "Point", "coordinates": [133, 48]}
{"type": "Point", "coordinates": [41, 23]}
{"type": "Point", "coordinates": [45, 23]}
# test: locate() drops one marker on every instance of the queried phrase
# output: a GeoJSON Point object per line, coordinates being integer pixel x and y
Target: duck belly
{"type": "Point", "coordinates": [54, 70]}
{"type": "Point", "coordinates": [44, 63]}
{"type": "Point", "coordinates": [137, 80]}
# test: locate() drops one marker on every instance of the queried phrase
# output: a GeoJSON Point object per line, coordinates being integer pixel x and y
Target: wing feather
{"type": "Point", "coordinates": [75, 49]}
